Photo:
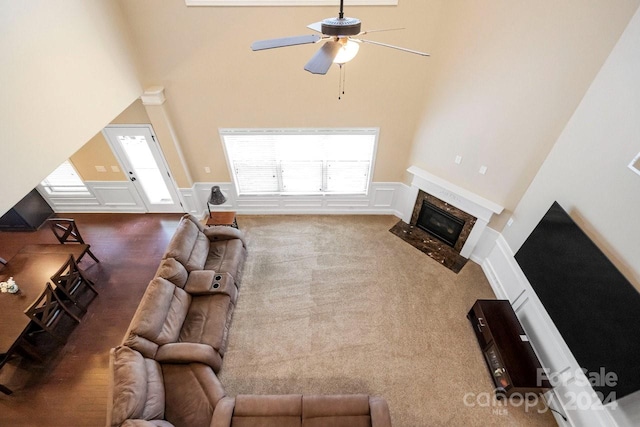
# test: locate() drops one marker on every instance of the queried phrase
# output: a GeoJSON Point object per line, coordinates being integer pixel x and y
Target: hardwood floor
{"type": "Point", "coordinates": [70, 387]}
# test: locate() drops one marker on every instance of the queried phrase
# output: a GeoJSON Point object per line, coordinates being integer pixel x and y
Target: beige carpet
{"type": "Point", "coordinates": [337, 304]}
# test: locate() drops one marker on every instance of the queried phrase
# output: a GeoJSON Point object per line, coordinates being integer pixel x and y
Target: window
{"type": "Point", "coordinates": [304, 161]}
{"type": "Point", "coordinates": [64, 181]}
{"type": "Point", "coordinates": [288, 2]}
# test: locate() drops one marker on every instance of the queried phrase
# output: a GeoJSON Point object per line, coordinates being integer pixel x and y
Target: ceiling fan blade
{"type": "Point", "coordinates": [285, 41]}
{"type": "Point", "coordinates": [379, 31]}
{"type": "Point", "coordinates": [393, 47]}
{"type": "Point", "coordinates": [316, 26]}
{"type": "Point", "coordinates": [322, 60]}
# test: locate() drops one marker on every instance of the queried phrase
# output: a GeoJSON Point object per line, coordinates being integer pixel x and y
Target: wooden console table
{"type": "Point", "coordinates": [512, 363]}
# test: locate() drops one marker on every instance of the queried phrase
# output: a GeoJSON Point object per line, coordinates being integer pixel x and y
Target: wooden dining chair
{"type": "Point", "coordinates": [70, 281]}
{"type": "Point", "coordinates": [66, 231]}
{"type": "Point", "coordinates": [46, 312]}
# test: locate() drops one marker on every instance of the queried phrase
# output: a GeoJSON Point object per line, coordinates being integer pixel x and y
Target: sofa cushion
{"type": "Point", "coordinates": [137, 391]}
{"type": "Point", "coordinates": [173, 271]}
{"type": "Point", "coordinates": [159, 317]}
{"type": "Point", "coordinates": [192, 392]}
{"type": "Point", "coordinates": [207, 321]}
{"type": "Point", "coordinates": [226, 256]}
{"type": "Point", "coordinates": [189, 245]}
{"type": "Point", "coordinates": [336, 410]}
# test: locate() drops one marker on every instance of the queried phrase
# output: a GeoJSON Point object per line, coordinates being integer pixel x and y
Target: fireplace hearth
{"type": "Point", "coordinates": [438, 229]}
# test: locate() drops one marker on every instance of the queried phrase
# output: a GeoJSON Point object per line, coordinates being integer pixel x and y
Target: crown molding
{"type": "Point", "coordinates": [153, 96]}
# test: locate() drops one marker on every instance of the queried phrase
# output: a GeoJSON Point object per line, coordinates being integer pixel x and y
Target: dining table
{"type": "Point", "coordinates": [31, 269]}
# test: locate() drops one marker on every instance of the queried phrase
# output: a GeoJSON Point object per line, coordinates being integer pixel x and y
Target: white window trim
{"type": "Point", "coordinates": [289, 3]}
{"type": "Point", "coordinates": [293, 131]}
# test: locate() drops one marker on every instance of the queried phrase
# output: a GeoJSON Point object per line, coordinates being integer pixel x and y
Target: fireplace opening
{"type": "Point", "coordinates": [440, 223]}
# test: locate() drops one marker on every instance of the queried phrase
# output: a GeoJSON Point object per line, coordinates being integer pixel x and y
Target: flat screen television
{"type": "Point", "coordinates": [594, 307]}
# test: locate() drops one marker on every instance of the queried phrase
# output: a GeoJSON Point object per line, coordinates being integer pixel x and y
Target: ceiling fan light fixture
{"type": "Point", "coordinates": [347, 52]}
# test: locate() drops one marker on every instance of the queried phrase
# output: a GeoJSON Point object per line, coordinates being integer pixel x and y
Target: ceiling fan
{"type": "Point", "coordinates": [340, 45]}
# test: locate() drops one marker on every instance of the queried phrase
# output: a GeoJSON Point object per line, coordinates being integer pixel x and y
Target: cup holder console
{"type": "Point", "coordinates": [216, 281]}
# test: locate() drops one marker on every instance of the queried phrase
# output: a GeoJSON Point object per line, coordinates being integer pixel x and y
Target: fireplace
{"type": "Point", "coordinates": [440, 223]}
{"type": "Point", "coordinates": [455, 225]}
{"type": "Point", "coordinates": [438, 229]}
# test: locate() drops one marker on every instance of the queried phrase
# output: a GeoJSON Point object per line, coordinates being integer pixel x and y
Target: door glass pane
{"type": "Point", "coordinates": [146, 169]}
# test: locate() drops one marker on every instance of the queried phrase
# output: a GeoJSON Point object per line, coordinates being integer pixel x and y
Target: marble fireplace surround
{"type": "Point", "coordinates": [476, 206]}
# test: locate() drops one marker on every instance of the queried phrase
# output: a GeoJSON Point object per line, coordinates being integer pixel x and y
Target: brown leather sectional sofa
{"type": "Point", "coordinates": [163, 374]}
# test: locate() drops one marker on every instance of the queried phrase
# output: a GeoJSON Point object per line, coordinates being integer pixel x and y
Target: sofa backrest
{"type": "Point", "coordinates": [189, 245]}
{"type": "Point", "coordinates": [350, 410]}
{"type": "Point", "coordinates": [159, 317]}
{"type": "Point", "coordinates": [173, 271]}
{"type": "Point", "coordinates": [268, 410]}
{"type": "Point", "coordinates": [336, 410]}
{"type": "Point", "coordinates": [137, 388]}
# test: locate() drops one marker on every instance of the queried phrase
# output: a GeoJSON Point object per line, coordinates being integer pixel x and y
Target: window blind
{"type": "Point", "coordinates": [312, 161]}
{"type": "Point", "coordinates": [64, 180]}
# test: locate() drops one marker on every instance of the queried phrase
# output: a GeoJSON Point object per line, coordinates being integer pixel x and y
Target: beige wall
{"type": "Point", "coordinates": [134, 114]}
{"type": "Point", "coordinates": [506, 76]}
{"type": "Point", "coordinates": [97, 152]}
{"type": "Point", "coordinates": [67, 71]}
{"type": "Point", "coordinates": [213, 79]}
{"type": "Point", "coordinates": [586, 172]}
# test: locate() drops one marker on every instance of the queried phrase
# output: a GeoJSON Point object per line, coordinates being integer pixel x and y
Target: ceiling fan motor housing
{"type": "Point", "coordinates": [341, 26]}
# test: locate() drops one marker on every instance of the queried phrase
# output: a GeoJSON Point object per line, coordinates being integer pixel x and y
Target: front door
{"type": "Point", "coordinates": [140, 156]}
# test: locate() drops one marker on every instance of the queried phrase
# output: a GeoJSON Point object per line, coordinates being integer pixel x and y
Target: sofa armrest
{"type": "Point", "coordinates": [222, 232]}
{"type": "Point", "coordinates": [204, 282]}
{"type": "Point", "coordinates": [188, 352]}
{"type": "Point", "coordinates": [380, 416]}
{"type": "Point", "coordinates": [223, 413]}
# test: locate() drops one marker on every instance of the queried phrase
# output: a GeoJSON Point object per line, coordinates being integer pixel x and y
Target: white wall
{"type": "Point", "coordinates": [505, 77]}
{"type": "Point", "coordinates": [586, 172]}
{"type": "Point", "coordinates": [67, 70]}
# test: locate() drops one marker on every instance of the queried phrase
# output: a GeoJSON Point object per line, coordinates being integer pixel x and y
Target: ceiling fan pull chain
{"type": "Point", "coordinates": [341, 82]}
{"type": "Point", "coordinates": [344, 78]}
{"type": "Point", "coordinates": [340, 90]}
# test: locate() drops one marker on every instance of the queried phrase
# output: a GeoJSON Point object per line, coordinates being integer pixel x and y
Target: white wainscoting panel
{"type": "Point", "coordinates": [571, 395]}
{"type": "Point", "coordinates": [106, 196]}
{"type": "Point", "coordinates": [382, 199]}
{"type": "Point", "coordinates": [117, 196]}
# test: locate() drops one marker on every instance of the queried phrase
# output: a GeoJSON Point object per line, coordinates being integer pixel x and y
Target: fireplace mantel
{"type": "Point", "coordinates": [459, 197]}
